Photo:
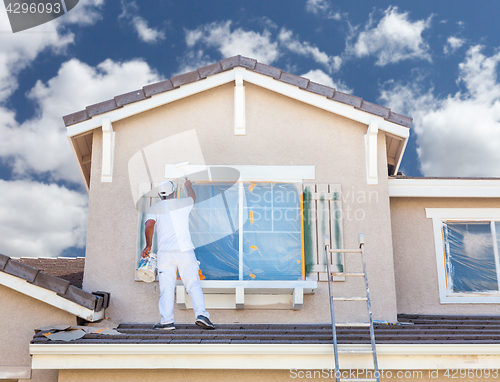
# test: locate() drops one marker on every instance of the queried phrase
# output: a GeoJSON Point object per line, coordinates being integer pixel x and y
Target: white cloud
{"type": "Point", "coordinates": [458, 135]}
{"type": "Point", "coordinates": [321, 77]}
{"type": "Point", "coordinates": [322, 7]}
{"type": "Point", "coordinates": [39, 220]}
{"type": "Point", "coordinates": [395, 38]}
{"type": "Point", "coordinates": [332, 63]}
{"type": "Point", "coordinates": [229, 43]}
{"type": "Point", "coordinates": [316, 6]}
{"type": "Point", "coordinates": [261, 46]}
{"type": "Point", "coordinates": [145, 33]}
{"type": "Point", "coordinates": [40, 144]}
{"type": "Point", "coordinates": [85, 13]}
{"type": "Point", "coordinates": [18, 50]}
{"type": "Point", "coordinates": [453, 44]}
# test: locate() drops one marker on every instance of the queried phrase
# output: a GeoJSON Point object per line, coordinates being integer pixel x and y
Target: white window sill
{"type": "Point", "coordinates": [473, 298]}
{"type": "Point", "coordinates": [234, 294]}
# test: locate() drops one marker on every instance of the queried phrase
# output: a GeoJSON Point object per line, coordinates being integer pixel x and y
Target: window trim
{"type": "Point", "coordinates": [440, 215]}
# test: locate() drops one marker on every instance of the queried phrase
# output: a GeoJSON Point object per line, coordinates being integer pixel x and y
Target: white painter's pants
{"type": "Point", "coordinates": [186, 263]}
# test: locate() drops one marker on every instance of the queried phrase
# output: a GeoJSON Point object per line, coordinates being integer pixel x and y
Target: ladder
{"type": "Point", "coordinates": [373, 351]}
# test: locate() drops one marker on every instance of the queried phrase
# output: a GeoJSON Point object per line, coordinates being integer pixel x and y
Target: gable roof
{"type": "Point", "coordinates": [227, 64]}
{"type": "Point", "coordinates": [81, 124]}
{"type": "Point", "coordinates": [66, 268]}
{"type": "Point", "coordinates": [52, 290]}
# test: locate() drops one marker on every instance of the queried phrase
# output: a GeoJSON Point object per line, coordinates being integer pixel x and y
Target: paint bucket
{"type": "Point", "coordinates": [147, 268]}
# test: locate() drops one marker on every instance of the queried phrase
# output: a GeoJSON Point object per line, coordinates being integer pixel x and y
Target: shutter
{"type": "Point", "coordinates": [322, 216]}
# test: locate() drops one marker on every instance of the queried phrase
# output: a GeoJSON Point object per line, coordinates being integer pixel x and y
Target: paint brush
{"type": "Point", "coordinates": [181, 166]}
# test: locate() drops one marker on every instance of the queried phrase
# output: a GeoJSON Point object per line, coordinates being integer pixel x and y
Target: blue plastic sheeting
{"type": "Point", "coordinates": [470, 256]}
{"type": "Point", "coordinates": [271, 236]}
{"type": "Point", "coordinates": [214, 226]}
{"type": "Point", "coordinates": [272, 247]}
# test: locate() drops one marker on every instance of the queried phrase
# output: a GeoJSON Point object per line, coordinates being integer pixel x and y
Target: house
{"type": "Point", "coordinates": [277, 162]}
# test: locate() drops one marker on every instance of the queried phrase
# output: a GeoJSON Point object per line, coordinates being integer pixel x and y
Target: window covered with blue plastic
{"type": "Point", "coordinates": [248, 231]}
{"type": "Point", "coordinates": [214, 226]}
{"type": "Point", "coordinates": [471, 250]}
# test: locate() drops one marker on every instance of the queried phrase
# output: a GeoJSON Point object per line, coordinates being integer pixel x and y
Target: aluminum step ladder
{"type": "Point", "coordinates": [373, 351]}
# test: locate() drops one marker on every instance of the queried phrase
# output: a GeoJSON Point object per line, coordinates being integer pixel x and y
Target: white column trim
{"type": "Point", "coordinates": [240, 297]}
{"type": "Point", "coordinates": [108, 148]}
{"type": "Point", "coordinates": [239, 105]}
{"type": "Point", "coordinates": [298, 298]}
{"type": "Point", "coordinates": [371, 153]}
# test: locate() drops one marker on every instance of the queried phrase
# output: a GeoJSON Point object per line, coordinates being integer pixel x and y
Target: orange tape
{"type": "Point", "coordinates": [201, 274]}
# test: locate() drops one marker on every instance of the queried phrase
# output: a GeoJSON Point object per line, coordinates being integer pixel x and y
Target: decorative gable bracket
{"type": "Point", "coordinates": [371, 153]}
{"type": "Point", "coordinates": [239, 105]}
{"type": "Point", "coordinates": [108, 151]}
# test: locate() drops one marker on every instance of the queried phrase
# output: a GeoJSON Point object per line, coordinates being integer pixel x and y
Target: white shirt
{"type": "Point", "coordinates": [172, 224]}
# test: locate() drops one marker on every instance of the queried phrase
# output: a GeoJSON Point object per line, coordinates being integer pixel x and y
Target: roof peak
{"type": "Point", "coordinates": [228, 64]}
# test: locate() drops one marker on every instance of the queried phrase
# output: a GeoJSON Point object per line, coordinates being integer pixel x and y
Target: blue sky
{"type": "Point", "coordinates": [436, 61]}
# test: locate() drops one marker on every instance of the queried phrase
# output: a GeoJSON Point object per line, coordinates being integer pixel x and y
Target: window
{"type": "Point", "coordinates": [248, 231]}
{"type": "Point", "coordinates": [467, 242]}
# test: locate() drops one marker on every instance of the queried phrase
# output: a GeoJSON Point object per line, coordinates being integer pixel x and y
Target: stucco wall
{"type": "Point", "coordinates": [280, 131]}
{"type": "Point", "coordinates": [415, 256]}
{"type": "Point", "coordinates": [20, 315]}
{"type": "Point", "coordinates": [241, 375]}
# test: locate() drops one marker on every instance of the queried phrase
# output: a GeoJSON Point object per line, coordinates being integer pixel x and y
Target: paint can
{"type": "Point", "coordinates": [147, 268]}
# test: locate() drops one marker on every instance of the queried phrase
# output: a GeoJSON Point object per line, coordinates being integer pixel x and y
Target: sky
{"type": "Point", "coordinates": [435, 61]}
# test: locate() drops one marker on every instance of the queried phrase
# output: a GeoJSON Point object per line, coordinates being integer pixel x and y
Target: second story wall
{"type": "Point", "coordinates": [279, 131]}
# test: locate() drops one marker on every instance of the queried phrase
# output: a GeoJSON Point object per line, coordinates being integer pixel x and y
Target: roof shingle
{"type": "Point", "coordinates": [70, 271]}
{"type": "Point", "coordinates": [411, 329]}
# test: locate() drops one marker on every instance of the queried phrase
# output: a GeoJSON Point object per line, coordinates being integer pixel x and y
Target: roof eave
{"type": "Point", "coordinates": [261, 356]}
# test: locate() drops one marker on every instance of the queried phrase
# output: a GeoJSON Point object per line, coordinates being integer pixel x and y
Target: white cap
{"type": "Point", "coordinates": [166, 188]}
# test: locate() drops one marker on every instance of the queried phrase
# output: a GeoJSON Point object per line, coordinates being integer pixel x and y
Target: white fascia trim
{"type": "Point", "coordinates": [153, 102]}
{"type": "Point", "coordinates": [219, 79]}
{"type": "Point", "coordinates": [260, 356]}
{"type": "Point", "coordinates": [463, 213]}
{"type": "Point", "coordinates": [49, 297]}
{"type": "Point", "coordinates": [249, 172]}
{"type": "Point", "coordinates": [444, 188]}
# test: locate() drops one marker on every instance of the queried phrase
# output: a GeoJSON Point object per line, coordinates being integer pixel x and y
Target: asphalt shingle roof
{"type": "Point", "coordinates": [66, 268]}
{"type": "Point", "coordinates": [25, 270]}
{"type": "Point", "coordinates": [412, 329]}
